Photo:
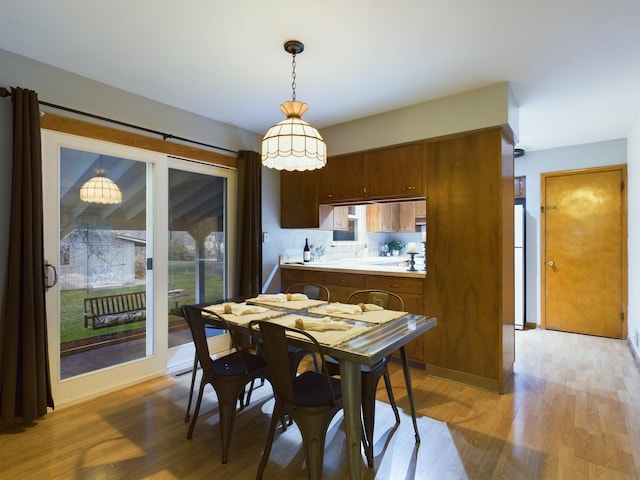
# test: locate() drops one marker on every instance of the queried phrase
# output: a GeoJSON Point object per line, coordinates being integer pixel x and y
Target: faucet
{"type": "Point", "coordinates": [363, 253]}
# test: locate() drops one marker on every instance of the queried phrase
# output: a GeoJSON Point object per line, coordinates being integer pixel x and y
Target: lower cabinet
{"type": "Point", "coordinates": [341, 285]}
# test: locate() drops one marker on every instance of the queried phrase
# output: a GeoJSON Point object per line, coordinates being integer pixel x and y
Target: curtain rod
{"type": "Point", "coordinates": [6, 93]}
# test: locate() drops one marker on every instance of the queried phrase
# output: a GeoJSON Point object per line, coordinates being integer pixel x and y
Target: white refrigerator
{"type": "Point", "coordinates": [518, 224]}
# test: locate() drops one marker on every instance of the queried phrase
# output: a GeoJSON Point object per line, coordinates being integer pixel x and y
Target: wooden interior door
{"type": "Point", "coordinates": [583, 251]}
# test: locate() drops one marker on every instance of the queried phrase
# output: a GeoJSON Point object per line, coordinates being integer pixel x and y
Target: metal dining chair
{"type": "Point", "coordinates": [228, 375]}
{"type": "Point", "coordinates": [310, 399]}
{"type": "Point", "coordinates": [210, 328]}
{"type": "Point", "coordinates": [370, 376]}
{"type": "Point", "coordinates": [314, 291]}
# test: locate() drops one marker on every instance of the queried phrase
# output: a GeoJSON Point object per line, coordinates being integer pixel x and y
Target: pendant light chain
{"type": "Point", "coordinates": [293, 75]}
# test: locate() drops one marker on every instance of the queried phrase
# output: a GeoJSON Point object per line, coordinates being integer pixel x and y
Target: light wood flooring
{"type": "Point", "coordinates": [573, 413]}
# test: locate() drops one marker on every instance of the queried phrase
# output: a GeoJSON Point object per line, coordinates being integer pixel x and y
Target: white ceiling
{"type": "Point", "coordinates": [574, 65]}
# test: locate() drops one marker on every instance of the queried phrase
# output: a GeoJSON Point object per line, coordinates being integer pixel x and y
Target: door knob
{"type": "Point", "coordinates": [551, 263]}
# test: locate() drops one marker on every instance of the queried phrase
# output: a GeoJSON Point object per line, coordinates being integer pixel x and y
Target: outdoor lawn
{"type": "Point", "coordinates": [181, 277]}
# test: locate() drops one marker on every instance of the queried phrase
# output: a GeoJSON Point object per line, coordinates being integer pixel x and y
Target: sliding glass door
{"type": "Point", "coordinates": [197, 249]}
{"type": "Point", "coordinates": [133, 235]}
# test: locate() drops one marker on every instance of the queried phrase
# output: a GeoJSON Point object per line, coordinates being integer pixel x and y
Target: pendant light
{"type": "Point", "coordinates": [293, 144]}
{"type": "Point", "coordinates": [100, 189]}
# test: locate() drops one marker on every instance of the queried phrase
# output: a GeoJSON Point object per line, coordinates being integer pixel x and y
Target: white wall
{"type": "Point", "coordinates": [613, 152]}
{"type": "Point", "coordinates": [63, 88]}
{"type": "Point", "coordinates": [490, 106]}
{"type": "Point", "coordinates": [633, 195]}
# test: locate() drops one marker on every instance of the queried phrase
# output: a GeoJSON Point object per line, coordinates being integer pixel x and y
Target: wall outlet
{"type": "Point", "coordinates": [265, 237]}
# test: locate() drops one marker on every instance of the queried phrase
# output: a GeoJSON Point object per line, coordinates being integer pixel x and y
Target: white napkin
{"type": "Point", "coordinates": [343, 308]}
{"type": "Point", "coordinates": [240, 309]}
{"type": "Point", "coordinates": [281, 297]}
{"type": "Point", "coordinates": [237, 309]}
{"type": "Point", "coordinates": [296, 297]}
{"type": "Point", "coordinates": [321, 324]}
{"type": "Point", "coordinates": [275, 297]}
{"type": "Point", "coordinates": [370, 307]}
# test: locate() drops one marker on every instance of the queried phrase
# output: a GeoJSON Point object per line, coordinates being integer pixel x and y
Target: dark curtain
{"type": "Point", "coordinates": [25, 385]}
{"type": "Point", "coordinates": [249, 257]}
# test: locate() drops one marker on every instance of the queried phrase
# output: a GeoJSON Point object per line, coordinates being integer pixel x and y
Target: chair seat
{"type": "Point", "coordinates": [310, 389]}
{"type": "Point", "coordinates": [231, 364]}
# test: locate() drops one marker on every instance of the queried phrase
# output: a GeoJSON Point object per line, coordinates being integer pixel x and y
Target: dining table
{"type": "Point", "coordinates": [369, 339]}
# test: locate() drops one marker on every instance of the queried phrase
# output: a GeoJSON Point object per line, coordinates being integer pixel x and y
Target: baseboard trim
{"type": "Point", "coordinates": [464, 378]}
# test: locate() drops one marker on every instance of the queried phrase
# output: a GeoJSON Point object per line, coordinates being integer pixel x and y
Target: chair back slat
{"type": "Point", "coordinates": [382, 298]}
{"type": "Point", "coordinates": [275, 343]}
{"type": "Point", "coordinates": [314, 291]}
{"type": "Point", "coordinates": [193, 317]}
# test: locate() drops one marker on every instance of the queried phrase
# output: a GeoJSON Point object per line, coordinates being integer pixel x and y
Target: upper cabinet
{"type": "Point", "coordinates": [390, 173]}
{"type": "Point", "coordinates": [334, 218]}
{"type": "Point", "coordinates": [407, 216]}
{"type": "Point", "coordinates": [395, 172]}
{"type": "Point", "coordinates": [385, 173]}
{"type": "Point", "coordinates": [342, 179]}
{"type": "Point", "coordinates": [396, 216]}
{"type": "Point", "coordinates": [299, 199]}
{"type": "Point", "coordinates": [382, 217]}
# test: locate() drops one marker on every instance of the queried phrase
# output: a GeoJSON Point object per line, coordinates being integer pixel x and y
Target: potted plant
{"type": "Point", "coordinates": [395, 247]}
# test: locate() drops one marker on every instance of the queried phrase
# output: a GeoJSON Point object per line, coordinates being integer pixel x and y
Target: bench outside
{"type": "Point", "coordinates": [113, 310]}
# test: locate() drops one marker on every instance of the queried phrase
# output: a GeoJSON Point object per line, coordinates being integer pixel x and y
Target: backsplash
{"type": "Point", "coordinates": [293, 242]}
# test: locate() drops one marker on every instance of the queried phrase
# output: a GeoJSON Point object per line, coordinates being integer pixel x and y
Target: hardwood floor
{"type": "Point", "coordinates": [573, 412]}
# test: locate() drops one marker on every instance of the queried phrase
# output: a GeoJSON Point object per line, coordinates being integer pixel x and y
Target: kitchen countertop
{"type": "Point", "coordinates": [387, 266]}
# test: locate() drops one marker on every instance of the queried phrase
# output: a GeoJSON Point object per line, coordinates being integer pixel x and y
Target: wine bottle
{"type": "Point", "coordinates": [306, 253]}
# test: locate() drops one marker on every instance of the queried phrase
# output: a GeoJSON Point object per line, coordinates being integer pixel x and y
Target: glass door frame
{"type": "Point", "coordinates": [181, 356]}
{"type": "Point", "coordinates": [162, 359]}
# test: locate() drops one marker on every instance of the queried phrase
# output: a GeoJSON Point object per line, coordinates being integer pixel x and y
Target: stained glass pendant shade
{"type": "Point", "coordinates": [293, 144]}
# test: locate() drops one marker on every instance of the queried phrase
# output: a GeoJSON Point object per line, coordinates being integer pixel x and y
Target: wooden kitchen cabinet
{"type": "Point", "coordinates": [342, 179]}
{"type": "Point", "coordinates": [290, 276]}
{"type": "Point", "coordinates": [382, 217]}
{"type": "Point", "coordinates": [395, 172]}
{"type": "Point", "coordinates": [395, 216]}
{"type": "Point", "coordinates": [407, 216]}
{"type": "Point", "coordinates": [334, 218]}
{"type": "Point", "coordinates": [469, 288]}
{"type": "Point", "coordinates": [299, 199]}
{"type": "Point", "coordinates": [385, 173]}
{"type": "Point", "coordinates": [341, 285]}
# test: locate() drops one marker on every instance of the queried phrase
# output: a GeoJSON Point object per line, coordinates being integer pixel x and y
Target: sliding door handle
{"type": "Point", "coordinates": [50, 281]}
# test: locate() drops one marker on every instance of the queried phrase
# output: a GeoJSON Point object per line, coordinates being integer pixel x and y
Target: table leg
{"type": "Point", "coordinates": [407, 380]}
{"type": "Point", "coordinates": [350, 375]}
